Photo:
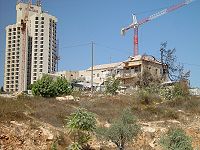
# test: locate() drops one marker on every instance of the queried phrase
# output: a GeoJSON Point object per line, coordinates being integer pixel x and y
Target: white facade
{"type": "Point", "coordinates": [100, 72]}
{"type": "Point", "coordinates": [39, 42]}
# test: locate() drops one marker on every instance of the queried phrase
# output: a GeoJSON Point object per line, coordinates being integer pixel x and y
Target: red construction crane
{"type": "Point", "coordinates": [24, 31]}
{"type": "Point", "coordinates": [136, 24]}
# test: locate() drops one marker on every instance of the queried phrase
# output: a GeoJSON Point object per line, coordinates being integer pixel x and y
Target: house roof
{"type": "Point", "coordinates": [144, 58]}
{"type": "Point", "coordinates": [106, 66]}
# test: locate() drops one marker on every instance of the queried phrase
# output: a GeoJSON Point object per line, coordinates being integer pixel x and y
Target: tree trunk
{"type": "Point", "coordinates": [121, 147]}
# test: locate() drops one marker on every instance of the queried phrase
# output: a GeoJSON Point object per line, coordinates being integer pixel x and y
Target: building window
{"type": "Point", "coordinates": [36, 18]}
{"type": "Point", "coordinates": [42, 18]}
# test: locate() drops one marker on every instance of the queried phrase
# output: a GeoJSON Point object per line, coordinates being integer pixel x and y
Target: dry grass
{"type": "Point", "coordinates": [187, 104]}
{"type": "Point", "coordinates": [106, 108]}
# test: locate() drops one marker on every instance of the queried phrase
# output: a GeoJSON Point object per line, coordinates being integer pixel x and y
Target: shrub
{"type": "Point", "coordinates": [112, 85]}
{"type": "Point", "coordinates": [123, 130]}
{"type": "Point", "coordinates": [47, 87]}
{"type": "Point", "coordinates": [81, 123]}
{"type": "Point", "coordinates": [44, 87]}
{"type": "Point", "coordinates": [181, 89]}
{"type": "Point", "coordinates": [62, 86]}
{"type": "Point", "coordinates": [176, 139]}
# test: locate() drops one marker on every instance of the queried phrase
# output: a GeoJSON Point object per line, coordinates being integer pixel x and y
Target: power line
{"type": "Point", "coordinates": [196, 65]}
{"type": "Point", "coordinates": [98, 44]}
{"type": "Point", "coordinates": [108, 47]}
{"type": "Point", "coordinates": [77, 45]}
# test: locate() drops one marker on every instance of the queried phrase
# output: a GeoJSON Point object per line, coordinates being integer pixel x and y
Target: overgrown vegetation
{"type": "Point", "coordinates": [48, 87]}
{"type": "Point", "coordinates": [23, 108]}
{"type": "Point", "coordinates": [112, 85]}
{"type": "Point", "coordinates": [81, 124]}
{"type": "Point", "coordinates": [176, 139]}
{"type": "Point", "coordinates": [122, 130]}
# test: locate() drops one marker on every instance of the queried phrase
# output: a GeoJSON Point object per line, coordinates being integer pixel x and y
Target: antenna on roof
{"type": "Point", "coordinates": [19, 1]}
{"type": "Point", "coordinates": [30, 2]}
{"type": "Point", "coordinates": [38, 3]}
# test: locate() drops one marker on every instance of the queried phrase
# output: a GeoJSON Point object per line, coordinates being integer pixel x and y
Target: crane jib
{"type": "Point", "coordinates": [163, 12]}
{"type": "Point", "coordinates": [135, 24]}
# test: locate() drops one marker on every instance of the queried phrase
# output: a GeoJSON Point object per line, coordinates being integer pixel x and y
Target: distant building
{"type": "Point", "coordinates": [38, 39]}
{"type": "Point", "coordinates": [195, 91]}
{"type": "Point", "coordinates": [100, 72]}
{"type": "Point", "coordinates": [137, 65]}
{"type": "Point", "coordinates": [127, 71]}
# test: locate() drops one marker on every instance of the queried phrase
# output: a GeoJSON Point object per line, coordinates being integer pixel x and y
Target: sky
{"type": "Point", "coordinates": [82, 21]}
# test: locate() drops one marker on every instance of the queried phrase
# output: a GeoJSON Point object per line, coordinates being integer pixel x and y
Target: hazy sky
{"type": "Point", "coordinates": [83, 21]}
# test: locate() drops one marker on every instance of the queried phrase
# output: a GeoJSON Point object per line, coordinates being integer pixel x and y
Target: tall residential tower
{"type": "Point", "coordinates": [31, 47]}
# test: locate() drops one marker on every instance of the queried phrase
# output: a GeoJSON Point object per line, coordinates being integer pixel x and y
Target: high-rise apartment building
{"type": "Point", "coordinates": [31, 47]}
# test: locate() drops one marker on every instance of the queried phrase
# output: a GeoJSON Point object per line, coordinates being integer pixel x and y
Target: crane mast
{"type": "Point", "coordinates": [136, 24]}
{"type": "Point", "coordinates": [24, 31]}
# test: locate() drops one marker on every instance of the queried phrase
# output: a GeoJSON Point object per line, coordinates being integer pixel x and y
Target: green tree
{"type": "Point", "coordinates": [81, 124]}
{"type": "Point", "coordinates": [181, 89]}
{"type": "Point", "coordinates": [62, 86]}
{"type": "Point", "coordinates": [176, 139]}
{"type": "Point", "coordinates": [171, 67]}
{"type": "Point", "coordinates": [112, 85]}
{"type": "Point", "coordinates": [44, 87]}
{"type": "Point", "coordinates": [122, 131]}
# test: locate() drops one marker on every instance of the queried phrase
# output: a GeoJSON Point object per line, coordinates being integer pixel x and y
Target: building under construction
{"type": "Point", "coordinates": [31, 46]}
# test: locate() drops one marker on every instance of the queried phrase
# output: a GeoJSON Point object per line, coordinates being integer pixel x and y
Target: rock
{"type": "Point", "coordinates": [49, 136]}
{"type": "Point", "coordinates": [64, 98]}
{"type": "Point", "coordinates": [107, 125]}
{"type": "Point", "coordinates": [15, 123]}
{"type": "Point", "coordinates": [148, 129]}
{"type": "Point", "coordinates": [153, 143]}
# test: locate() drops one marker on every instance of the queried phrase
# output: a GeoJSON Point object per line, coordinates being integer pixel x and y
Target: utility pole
{"type": "Point", "coordinates": [92, 67]}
